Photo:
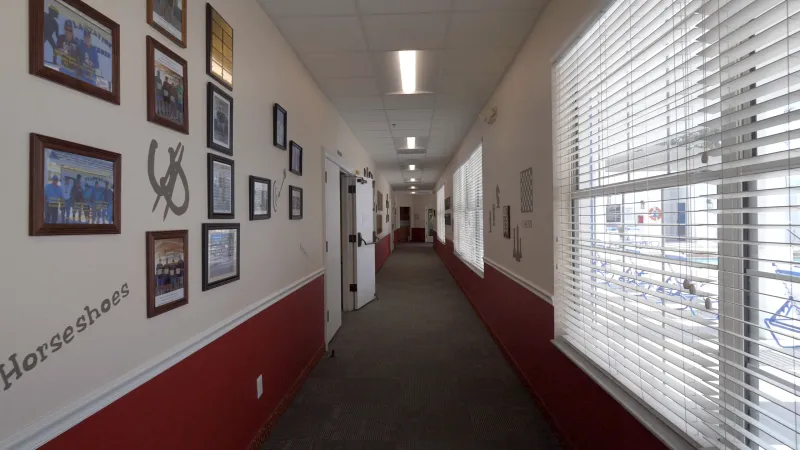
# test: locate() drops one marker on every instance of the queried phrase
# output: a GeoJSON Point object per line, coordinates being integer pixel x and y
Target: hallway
{"type": "Point", "coordinates": [415, 369]}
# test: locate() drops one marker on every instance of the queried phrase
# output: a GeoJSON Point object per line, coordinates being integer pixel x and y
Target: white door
{"type": "Point", "coordinates": [365, 252]}
{"type": "Point", "coordinates": [430, 224]}
{"type": "Point", "coordinates": [333, 251]}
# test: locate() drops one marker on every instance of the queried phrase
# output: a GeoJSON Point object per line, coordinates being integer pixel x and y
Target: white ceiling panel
{"type": "Point", "coordinates": [403, 6]}
{"type": "Point", "coordinates": [490, 29]}
{"type": "Point", "coordinates": [406, 31]}
{"type": "Point", "coordinates": [349, 87]}
{"type": "Point", "coordinates": [375, 134]}
{"type": "Point", "coordinates": [410, 114]}
{"type": "Point", "coordinates": [411, 133]}
{"type": "Point", "coordinates": [294, 8]}
{"type": "Point", "coordinates": [416, 101]}
{"type": "Point", "coordinates": [323, 34]}
{"type": "Point", "coordinates": [369, 126]}
{"type": "Point", "coordinates": [494, 5]}
{"type": "Point", "coordinates": [338, 65]}
{"type": "Point", "coordinates": [478, 60]}
{"type": "Point", "coordinates": [358, 103]}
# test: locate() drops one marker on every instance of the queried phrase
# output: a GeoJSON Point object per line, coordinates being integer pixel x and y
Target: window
{"type": "Point", "coordinates": [677, 223]}
{"type": "Point", "coordinates": [440, 214]}
{"type": "Point", "coordinates": [468, 210]}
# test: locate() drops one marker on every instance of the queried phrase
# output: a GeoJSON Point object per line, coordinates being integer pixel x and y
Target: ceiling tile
{"type": "Point", "coordinates": [375, 134]}
{"type": "Point", "coordinates": [323, 34]}
{"type": "Point", "coordinates": [403, 6]}
{"type": "Point", "coordinates": [494, 5]}
{"type": "Point", "coordinates": [338, 65]}
{"type": "Point", "coordinates": [492, 60]}
{"type": "Point", "coordinates": [406, 31]}
{"type": "Point", "coordinates": [411, 125]}
{"type": "Point", "coordinates": [413, 101]}
{"type": "Point", "coordinates": [490, 29]}
{"type": "Point", "coordinates": [410, 133]}
{"type": "Point", "coordinates": [410, 114]}
{"type": "Point", "coordinates": [349, 87]}
{"type": "Point", "coordinates": [369, 126]}
{"type": "Point", "coordinates": [377, 115]}
{"type": "Point", "coordinates": [357, 103]}
{"type": "Point", "coordinates": [283, 8]}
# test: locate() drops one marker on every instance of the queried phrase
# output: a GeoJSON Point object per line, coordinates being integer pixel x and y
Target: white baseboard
{"type": "Point", "coordinates": [59, 421]}
{"type": "Point", "coordinates": [539, 292]}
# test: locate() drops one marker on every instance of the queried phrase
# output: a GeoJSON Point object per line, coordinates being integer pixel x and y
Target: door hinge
{"type": "Point", "coordinates": [353, 238]}
{"type": "Point", "coordinates": [326, 246]}
{"type": "Point", "coordinates": [328, 318]}
{"type": "Point", "coordinates": [353, 288]}
{"type": "Point", "coordinates": [351, 189]}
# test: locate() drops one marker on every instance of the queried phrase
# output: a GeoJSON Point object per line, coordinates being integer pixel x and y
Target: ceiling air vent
{"type": "Point", "coordinates": [411, 151]}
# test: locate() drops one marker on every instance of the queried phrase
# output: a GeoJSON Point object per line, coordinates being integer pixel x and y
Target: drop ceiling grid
{"type": "Point", "coordinates": [344, 44]}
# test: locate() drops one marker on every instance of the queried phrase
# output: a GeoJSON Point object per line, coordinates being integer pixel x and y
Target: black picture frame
{"type": "Point", "coordinates": [447, 204]}
{"type": "Point", "coordinates": [292, 190]}
{"type": "Point", "coordinates": [294, 147]}
{"type": "Point", "coordinates": [253, 181]}
{"type": "Point", "coordinates": [150, 239]}
{"type": "Point", "coordinates": [507, 222]}
{"type": "Point", "coordinates": [212, 213]}
{"type": "Point", "coordinates": [211, 116]}
{"type": "Point", "coordinates": [448, 219]}
{"type": "Point", "coordinates": [219, 46]}
{"type": "Point", "coordinates": [276, 110]}
{"type": "Point", "coordinates": [207, 228]}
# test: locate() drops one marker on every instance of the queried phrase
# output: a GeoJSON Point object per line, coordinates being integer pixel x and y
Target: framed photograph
{"type": "Point", "coordinates": [221, 246]}
{"type": "Point", "coordinates": [295, 203]}
{"type": "Point", "coordinates": [167, 266]}
{"type": "Point", "coordinates": [507, 222]}
{"type": "Point", "coordinates": [295, 158]}
{"type": "Point", "coordinates": [379, 203]}
{"type": "Point", "coordinates": [260, 198]}
{"type": "Point", "coordinates": [379, 224]}
{"type": "Point", "coordinates": [219, 48]}
{"type": "Point", "coordinates": [448, 220]}
{"type": "Point", "coordinates": [167, 82]}
{"type": "Point", "coordinates": [220, 188]}
{"type": "Point", "coordinates": [74, 45]}
{"type": "Point", "coordinates": [169, 18]}
{"type": "Point", "coordinates": [220, 120]}
{"type": "Point", "coordinates": [74, 189]}
{"type": "Point", "coordinates": [387, 218]}
{"type": "Point", "coordinates": [447, 204]}
{"type": "Point", "coordinates": [279, 119]}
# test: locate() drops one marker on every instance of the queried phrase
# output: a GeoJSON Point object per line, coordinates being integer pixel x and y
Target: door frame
{"type": "Point", "coordinates": [427, 226]}
{"type": "Point", "coordinates": [347, 254]}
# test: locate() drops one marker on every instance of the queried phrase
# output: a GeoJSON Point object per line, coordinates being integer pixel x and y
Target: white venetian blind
{"type": "Point", "coordinates": [468, 210]}
{"type": "Point", "coordinates": [440, 214]}
{"type": "Point", "coordinates": [678, 212]}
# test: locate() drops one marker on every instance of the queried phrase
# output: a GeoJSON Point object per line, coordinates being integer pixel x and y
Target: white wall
{"type": "Point", "coordinates": [521, 139]}
{"type": "Point", "coordinates": [45, 282]}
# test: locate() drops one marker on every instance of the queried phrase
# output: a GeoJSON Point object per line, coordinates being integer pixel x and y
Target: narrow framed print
{"type": "Point", "coordinates": [221, 244]}
{"type": "Point", "coordinates": [72, 44]}
{"type": "Point", "coordinates": [169, 18]}
{"type": "Point", "coordinates": [379, 224]}
{"type": "Point", "coordinates": [295, 158]}
{"type": "Point", "coordinates": [260, 198]}
{"type": "Point", "coordinates": [74, 189]}
{"type": "Point", "coordinates": [279, 119]}
{"type": "Point", "coordinates": [167, 82]}
{"type": "Point", "coordinates": [295, 203]}
{"type": "Point", "coordinates": [220, 188]}
{"type": "Point", "coordinates": [220, 120]}
{"type": "Point", "coordinates": [219, 48]}
{"type": "Point", "coordinates": [507, 222]}
{"type": "Point", "coordinates": [167, 270]}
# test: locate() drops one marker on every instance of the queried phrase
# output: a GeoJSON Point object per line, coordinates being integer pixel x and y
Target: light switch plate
{"type": "Point", "coordinates": [259, 386]}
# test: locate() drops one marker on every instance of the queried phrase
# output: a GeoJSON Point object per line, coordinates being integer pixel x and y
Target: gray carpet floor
{"type": "Point", "coordinates": [415, 369]}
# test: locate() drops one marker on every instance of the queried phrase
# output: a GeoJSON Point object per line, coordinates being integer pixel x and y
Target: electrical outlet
{"type": "Point", "coordinates": [259, 386]}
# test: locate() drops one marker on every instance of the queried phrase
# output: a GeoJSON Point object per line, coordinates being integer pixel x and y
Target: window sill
{"type": "Point", "coordinates": [650, 419]}
{"type": "Point", "coordinates": [470, 265]}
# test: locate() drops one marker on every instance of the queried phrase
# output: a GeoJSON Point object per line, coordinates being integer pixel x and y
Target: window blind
{"type": "Point", "coordinates": [440, 214]}
{"type": "Point", "coordinates": [677, 204]}
{"type": "Point", "coordinates": [468, 210]}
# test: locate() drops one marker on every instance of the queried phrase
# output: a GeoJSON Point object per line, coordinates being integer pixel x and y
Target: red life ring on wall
{"type": "Point", "coordinates": [654, 213]}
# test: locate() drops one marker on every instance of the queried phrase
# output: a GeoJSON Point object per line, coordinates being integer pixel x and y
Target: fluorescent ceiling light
{"type": "Point", "coordinates": [411, 142]}
{"type": "Point", "coordinates": [412, 167]}
{"type": "Point", "coordinates": [413, 193]}
{"type": "Point", "coordinates": [413, 179]}
{"type": "Point", "coordinates": [408, 71]}
{"type": "Point", "coordinates": [413, 187]}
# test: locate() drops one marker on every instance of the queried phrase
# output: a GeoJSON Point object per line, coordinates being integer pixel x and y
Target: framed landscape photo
{"type": "Point", "coordinates": [260, 198]}
{"type": "Point", "coordinates": [221, 244]}
{"type": "Point", "coordinates": [295, 203]}
{"type": "Point", "coordinates": [76, 46]}
{"type": "Point", "coordinates": [295, 158]}
{"type": "Point", "coordinates": [167, 92]}
{"type": "Point", "coordinates": [220, 120]}
{"type": "Point", "coordinates": [167, 270]}
{"type": "Point", "coordinates": [74, 189]}
{"type": "Point", "coordinates": [221, 198]}
{"type": "Point", "coordinates": [219, 48]}
{"type": "Point", "coordinates": [279, 119]}
{"type": "Point", "coordinates": [169, 18]}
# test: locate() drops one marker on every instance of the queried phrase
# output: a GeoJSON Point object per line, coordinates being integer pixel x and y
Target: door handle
{"type": "Point", "coordinates": [361, 239]}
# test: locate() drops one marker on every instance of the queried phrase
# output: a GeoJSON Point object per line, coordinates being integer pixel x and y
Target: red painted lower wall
{"type": "Point", "coordinates": [418, 235]}
{"type": "Point", "coordinates": [581, 412]}
{"type": "Point", "coordinates": [208, 400]}
{"type": "Point", "coordinates": [382, 251]}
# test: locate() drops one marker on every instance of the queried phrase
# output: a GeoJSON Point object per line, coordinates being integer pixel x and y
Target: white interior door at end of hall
{"type": "Point", "coordinates": [430, 224]}
{"type": "Point", "coordinates": [365, 254]}
{"type": "Point", "coordinates": [333, 251]}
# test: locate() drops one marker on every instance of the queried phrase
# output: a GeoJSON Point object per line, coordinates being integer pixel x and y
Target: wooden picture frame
{"type": "Point", "coordinates": [66, 66]}
{"type": "Point", "coordinates": [279, 140]}
{"type": "Point", "coordinates": [293, 215]}
{"type": "Point", "coordinates": [209, 280]}
{"type": "Point", "coordinates": [295, 164]}
{"type": "Point", "coordinates": [256, 214]}
{"type": "Point", "coordinates": [164, 27]}
{"type": "Point", "coordinates": [218, 162]}
{"type": "Point", "coordinates": [219, 120]}
{"type": "Point", "coordinates": [219, 48]}
{"type": "Point", "coordinates": [52, 211]}
{"type": "Point", "coordinates": [164, 293]}
{"type": "Point", "coordinates": [173, 102]}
